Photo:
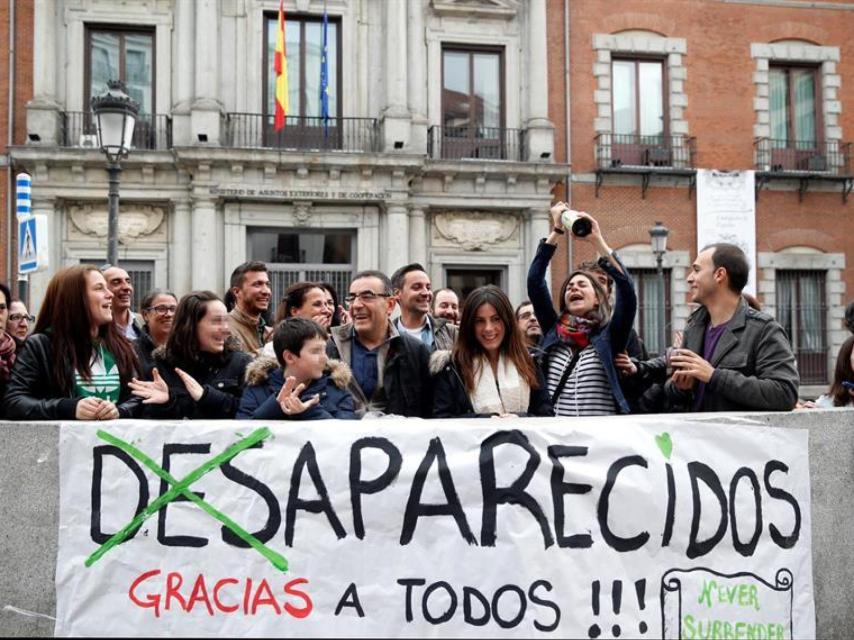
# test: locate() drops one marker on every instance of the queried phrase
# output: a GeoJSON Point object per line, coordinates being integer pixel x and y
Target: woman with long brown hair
{"type": "Point", "coordinates": [489, 373]}
{"type": "Point", "coordinates": [77, 364]}
{"type": "Point", "coordinates": [199, 372]}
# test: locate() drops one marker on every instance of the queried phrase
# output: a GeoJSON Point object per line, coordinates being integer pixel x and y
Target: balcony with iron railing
{"type": "Point", "coordinates": [803, 160]}
{"type": "Point", "coordinates": [151, 131]}
{"type": "Point", "coordinates": [618, 151]}
{"type": "Point", "coordinates": [300, 133]}
{"type": "Point", "coordinates": [644, 155]}
{"type": "Point", "coordinates": [475, 142]}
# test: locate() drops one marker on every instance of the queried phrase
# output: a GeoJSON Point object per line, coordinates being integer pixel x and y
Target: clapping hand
{"type": "Point", "coordinates": [289, 399]}
{"type": "Point", "coordinates": [193, 388]}
{"type": "Point", "coordinates": [151, 391]}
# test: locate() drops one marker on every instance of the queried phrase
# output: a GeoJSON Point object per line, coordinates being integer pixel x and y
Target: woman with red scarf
{"type": "Point", "coordinates": [581, 339]}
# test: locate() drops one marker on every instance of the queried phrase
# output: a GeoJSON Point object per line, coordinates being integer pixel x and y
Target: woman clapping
{"type": "Point", "coordinates": [199, 372]}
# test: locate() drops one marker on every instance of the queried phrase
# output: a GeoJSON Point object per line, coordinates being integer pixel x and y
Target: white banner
{"type": "Point", "coordinates": [726, 212]}
{"type": "Point", "coordinates": [585, 528]}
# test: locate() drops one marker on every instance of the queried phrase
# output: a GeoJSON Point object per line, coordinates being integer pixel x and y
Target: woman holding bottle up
{"type": "Point", "coordinates": [581, 338]}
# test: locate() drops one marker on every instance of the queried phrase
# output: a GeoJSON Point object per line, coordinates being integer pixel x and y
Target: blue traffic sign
{"type": "Point", "coordinates": [28, 256]}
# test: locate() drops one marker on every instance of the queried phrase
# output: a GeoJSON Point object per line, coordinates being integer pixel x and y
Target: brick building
{"type": "Point", "coordinates": [658, 90]}
{"type": "Point", "coordinates": [15, 71]}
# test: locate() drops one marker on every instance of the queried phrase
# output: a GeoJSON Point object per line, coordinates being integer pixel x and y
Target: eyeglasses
{"type": "Point", "coordinates": [163, 309]}
{"type": "Point", "coordinates": [17, 317]}
{"type": "Point", "coordinates": [365, 297]}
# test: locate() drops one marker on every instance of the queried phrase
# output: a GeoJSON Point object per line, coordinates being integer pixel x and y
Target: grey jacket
{"type": "Point", "coordinates": [444, 334]}
{"type": "Point", "coordinates": [755, 368]}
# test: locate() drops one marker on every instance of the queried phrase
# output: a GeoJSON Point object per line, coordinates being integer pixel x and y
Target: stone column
{"type": "Point", "coordinates": [207, 108]}
{"type": "Point", "coordinates": [418, 233]}
{"type": "Point", "coordinates": [43, 111]}
{"type": "Point", "coordinates": [184, 71]}
{"type": "Point", "coordinates": [540, 131]}
{"type": "Point", "coordinates": [203, 242]}
{"type": "Point", "coordinates": [181, 239]}
{"type": "Point", "coordinates": [395, 115]}
{"type": "Point", "coordinates": [397, 235]}
{"type": "Point", "coordinates": [417, 76]}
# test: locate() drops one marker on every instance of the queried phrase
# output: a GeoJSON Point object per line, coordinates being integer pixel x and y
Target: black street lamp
{"type": "Point", "coordinates": [658, 239]}
{"type": "Point", "coordinates": [115, 116]}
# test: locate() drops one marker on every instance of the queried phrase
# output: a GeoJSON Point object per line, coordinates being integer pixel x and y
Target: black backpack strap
{"type": "Point", "coordinates": [565, 376]}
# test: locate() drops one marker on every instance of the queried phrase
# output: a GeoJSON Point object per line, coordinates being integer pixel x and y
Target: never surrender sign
{"type": "Point", "coordinates": [590, 528]}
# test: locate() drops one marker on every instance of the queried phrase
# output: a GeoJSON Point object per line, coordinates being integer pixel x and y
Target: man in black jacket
{"type": "Point", "coordinates": [390, 369]}
{"type": "Point", "coordinates": [733, 358]}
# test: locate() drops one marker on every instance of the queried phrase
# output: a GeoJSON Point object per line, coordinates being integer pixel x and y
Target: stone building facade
{"type": "Point", "coordinates": [761, 85]}
{"type": "Point", "coordinates": [438, 148]}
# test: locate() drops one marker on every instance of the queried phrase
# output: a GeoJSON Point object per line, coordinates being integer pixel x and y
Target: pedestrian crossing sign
{"type": "Point", "coordinates": [32, 244]}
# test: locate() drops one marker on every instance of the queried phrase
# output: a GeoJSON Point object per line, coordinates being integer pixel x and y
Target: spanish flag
{"type": "Point", "coordinates": [280, 64]}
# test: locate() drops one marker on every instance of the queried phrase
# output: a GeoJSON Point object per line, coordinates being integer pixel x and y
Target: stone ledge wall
{"type": "Point", "coordinates": [29, 513]}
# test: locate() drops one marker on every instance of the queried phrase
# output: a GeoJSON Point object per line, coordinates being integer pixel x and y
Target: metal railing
{"type": "Point", "coordinates": [619, 150]}
{"type": "Point", "coordinates": [151, 131]}
{"type": "Point", "coordinates": [471, 141]}
{"type": "Point", "coordinates": [829, 158]}
{"type": "Point", "coordinates": [257, 131]}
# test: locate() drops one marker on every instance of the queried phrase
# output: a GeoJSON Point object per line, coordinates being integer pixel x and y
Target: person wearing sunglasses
{"type": "Point", "coordinates": [19, 322]}
{"type": "Point", "coordinates": [158, 312]}
{"type": "Point", "coordinates": [390, 368]}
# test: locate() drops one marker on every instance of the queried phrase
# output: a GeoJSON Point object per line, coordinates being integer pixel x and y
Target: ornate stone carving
{"type": "Point", "coordinates": [476, 230]}
{"type": "Point", "coordinates": [302, 212]}
{"type": "Point", "coordinates": [135, 220]}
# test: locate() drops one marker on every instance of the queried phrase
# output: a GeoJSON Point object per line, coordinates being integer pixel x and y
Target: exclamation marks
{"type": "Point", "coordinates": [640, 589]}
{"type": "Point", "coordinates": [594, 631]}
{"type": "Point", "coordinates": [616, 605]}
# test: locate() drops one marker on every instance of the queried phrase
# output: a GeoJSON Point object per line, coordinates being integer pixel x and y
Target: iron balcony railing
{"type": "Point", "coordinates": [301, 133]}
{"type": "Point", "coordinates": [151, 131]}
{"type": "Point", "coordinates": [620, 150]}
{"type": "Point", "coordinates": [472, 141]}
{"type": "Point", "coordinates": [830, 158]}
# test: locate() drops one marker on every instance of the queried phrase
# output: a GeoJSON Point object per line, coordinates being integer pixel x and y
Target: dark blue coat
{"type": "Point", "coordinates": [609, 340]}
{"type": "Point", "coordinates": [265, 378]}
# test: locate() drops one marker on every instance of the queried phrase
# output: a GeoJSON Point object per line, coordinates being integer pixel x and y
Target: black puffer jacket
{"type": "Point", "coordinates": [221, 376]}
{"type": "Point", "coordinates": [450, 399]}
{"type": "Point", "coordinates": [32, 393]}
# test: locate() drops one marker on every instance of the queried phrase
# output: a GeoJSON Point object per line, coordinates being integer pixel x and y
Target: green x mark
{"type": "Point", "coordinates": [182, 488]}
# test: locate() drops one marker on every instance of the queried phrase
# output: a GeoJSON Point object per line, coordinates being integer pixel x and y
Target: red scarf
{"type": "Point", "coordinates": [7, 356]}
{"type": "Point", "coordinates": [575, 331]}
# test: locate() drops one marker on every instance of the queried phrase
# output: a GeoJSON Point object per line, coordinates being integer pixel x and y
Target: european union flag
{"type": "Point", "coordinates": [324, 75]}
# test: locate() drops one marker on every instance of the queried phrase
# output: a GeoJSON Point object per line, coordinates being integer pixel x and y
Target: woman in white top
{"type": "Point", "coordinates": [489, 373]}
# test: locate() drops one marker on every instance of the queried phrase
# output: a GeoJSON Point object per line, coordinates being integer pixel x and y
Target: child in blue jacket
{"type": "Point", "coordinates": [301, 383]}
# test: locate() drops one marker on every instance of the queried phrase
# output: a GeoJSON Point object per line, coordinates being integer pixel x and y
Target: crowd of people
{"type": "Point", "coordinates": [394, 346]}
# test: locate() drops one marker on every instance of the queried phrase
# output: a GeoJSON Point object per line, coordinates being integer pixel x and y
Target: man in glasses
{"type": "Point", "coordinates": [19, 322]}
{"type": "Point", "coordinates": [120, 285]}
{"type": "Point", "coordinates": [390, 369]}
